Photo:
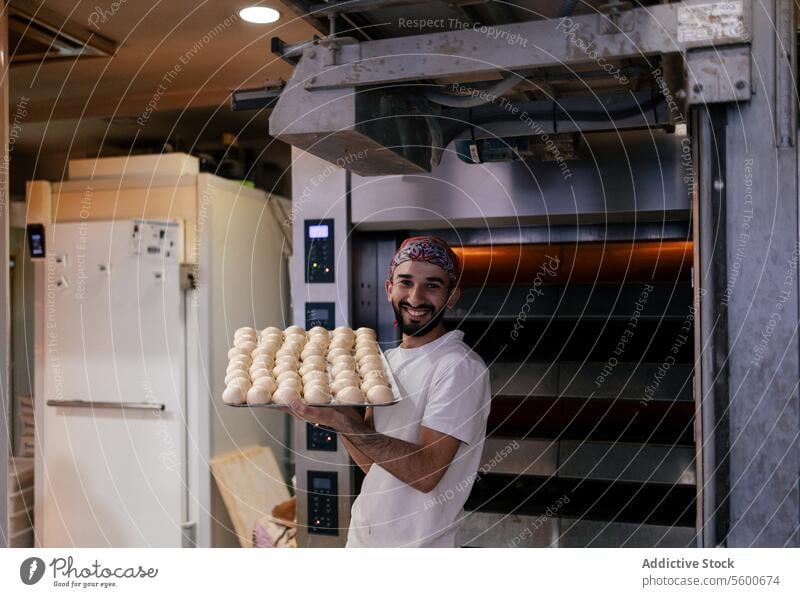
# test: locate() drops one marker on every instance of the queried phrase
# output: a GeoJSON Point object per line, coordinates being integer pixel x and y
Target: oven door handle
{"type": "Point", "coordinates": [109, 405]}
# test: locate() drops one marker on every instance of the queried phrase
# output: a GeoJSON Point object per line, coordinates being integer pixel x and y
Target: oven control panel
{"type": "Point", "coordinates": [322, 314]}
{"type": "Point", "coordinates": [319, 253]}
{"type": "Point", "coordinates": [320, 438]}
{"type": "Point", "coordinates": [323, 511]}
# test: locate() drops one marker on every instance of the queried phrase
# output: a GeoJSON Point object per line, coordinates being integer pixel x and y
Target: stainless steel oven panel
{"type": "Point", "coordinates": [523, 379]}
{"type": "Point", "coordinates": [634, 381]}
{"type": "Point", "coordinates": [487, 529]}
{"type": "Point", "coordinates": [643, 463]}
{"type": "Point", "coordinates": [592, 533]}
{"type": "Point", "coordinates": [502, 455]}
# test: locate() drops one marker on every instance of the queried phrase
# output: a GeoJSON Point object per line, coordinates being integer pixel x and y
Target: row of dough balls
{"type": "Point", "coordinates": [281, 365]}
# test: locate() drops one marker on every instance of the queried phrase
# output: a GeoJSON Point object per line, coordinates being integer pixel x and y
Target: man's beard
{"type": "Point", "coordinates": [416, 329]}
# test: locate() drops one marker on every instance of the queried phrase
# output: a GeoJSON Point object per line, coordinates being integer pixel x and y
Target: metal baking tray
{"type": "Point", "coordinates": [333, 403]}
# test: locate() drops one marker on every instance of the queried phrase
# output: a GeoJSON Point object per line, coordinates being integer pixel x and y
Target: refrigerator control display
{"type": "Point", "coordinates": [319, 251]}
{"type": "Point", "coordinates": [36, 240]}
{"type": "Point", "coordinates": [159, 240]}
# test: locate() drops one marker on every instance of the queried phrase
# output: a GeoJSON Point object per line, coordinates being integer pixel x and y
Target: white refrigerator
{"type": "Point", "coordinates": [114, 417]}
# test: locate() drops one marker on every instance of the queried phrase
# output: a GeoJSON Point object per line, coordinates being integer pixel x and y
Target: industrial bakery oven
{"type": "Point", "coordinates": [589, 346]}
{"type": "Point", "coordinates": [579, 298]}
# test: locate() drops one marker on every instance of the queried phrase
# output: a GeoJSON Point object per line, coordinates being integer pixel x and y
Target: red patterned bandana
{"type": "Point", "coordinates": [430, 249]}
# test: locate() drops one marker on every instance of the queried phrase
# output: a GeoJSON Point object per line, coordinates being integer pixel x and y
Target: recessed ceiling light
{"type": "Point", "coordinates": [259, 14]}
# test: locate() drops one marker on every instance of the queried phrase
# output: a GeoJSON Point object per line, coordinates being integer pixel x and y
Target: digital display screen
{"type": "Point", "coordinates": [318, 231]}
{"type": "Point", "coordinates": [36, 240]}
{"type": "Point", "coordinates": [322, 483]}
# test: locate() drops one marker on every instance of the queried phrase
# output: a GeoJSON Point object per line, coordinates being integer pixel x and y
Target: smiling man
{"type": "Point", "coordinates": [421, 455]}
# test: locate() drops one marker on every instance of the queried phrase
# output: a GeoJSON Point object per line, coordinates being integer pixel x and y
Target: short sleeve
{"type": "Point", "coordinates": [458, 401]}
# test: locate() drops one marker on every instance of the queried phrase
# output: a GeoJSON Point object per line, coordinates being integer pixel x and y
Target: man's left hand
{"type": "Point", "coordinates": [338, 419]}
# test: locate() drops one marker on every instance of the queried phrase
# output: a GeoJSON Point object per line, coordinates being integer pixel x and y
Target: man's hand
{"type": "Point", "coordinates": [420, 465]}
{"type": "Point", "coordinates": [339, 419]}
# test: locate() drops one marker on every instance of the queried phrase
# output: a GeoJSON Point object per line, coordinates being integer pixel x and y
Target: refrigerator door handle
{"type": "Point", "coordinates": [189, 534]}
{"type": "Point", "coordinates": [101, 404]}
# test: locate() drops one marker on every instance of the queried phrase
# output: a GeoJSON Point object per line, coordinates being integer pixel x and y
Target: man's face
{"type": "Point", "coordinates": [420, 293]}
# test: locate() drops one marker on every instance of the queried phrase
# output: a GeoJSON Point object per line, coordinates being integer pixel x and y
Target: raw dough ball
{"type": "Point", "coordinates": [294, 329]}
{"type": "Point", "coordinates": [245, 343]}
{"type": "Point", "coordinates": [342, 342]}
{"type": "Point", "coordinates": [315, 360]}
{"type": "Point", "coordinates": [295, 340]}
{"type": "Point", "coordinates": [283, 368]}
{"type": "Point", "coordinates": [270, 341]}
{"type": "Point", "coordinates": [345, 358]}
{"type": "Point", "coordinates": [344, 382]}
{"type": "Point", "coordinates": [371, 358]}
{"type": "Point", "coordinates": [268, 349]}
{"type": "Point", "coordinates": [263, 351]}
{"type": "Point", "coordinates": [348, 375]}
{"type": "Point", "coordinates": [236, 374]}
{"type": "Point", "coordinates": [344, 330]}
{"type": "Point", "coordinates": [238, 365]}
{"type": "Point", "coordinates": [296, 343]}
{"type": "Point", "coordinates": [287, 351]}
{"type": "Point", "coordinates": [272, 331]}
{"type": "Point", "coordinates": [239, 358]}
{"type": "Point", "coordinates": [337, 352]}
{"type": "Point", "coordinates": [379, 374]}
{"type": "Point", "coordinates": [285, 395]}
{"type": "Point", "coordinates": [258, 395]}
{"type": "Point", "coordinates": [309, 367]}
{"type": "Point", "coordinates": [259, 372]}
{"type": "Point", "coordinates": [320, 383]}
{"type": "Point", "coordinates": [294, 384]}
{"type": "Point", "coordinates": [238, 352]}
{"type": "Point", "coordinates": [235, 391]}
{"type": "Point", "coordinates": [366, 333]}
{"type": "Point", "coordinates": [368, 366]}
{"type": "Point", "coordinates": [310, 376]}
{"type": "Point", "coordinates": [346, 334]}
{"type": "Point", "coordinates": [235, 394]}
{"type": "Point", "coordinates": [318, 330]}
{"type": "Point", "coordinates": [312, 350]}
{"type": "Point", "coordinates": [371, 382]}
{"type": "Point", "coordinates": [245, 332]}
{"type": "Point", "coordinates": [286, 359]}
{"type": "Point", "coordinates": [270, 346]}
{"type": "Point", "coordinates": [342, 367]}
{"type": "Point", "coordinates": [287, 375]}
{"type": "Point", "coordinates": [350, 395]}
{"type": "Point", "coordinates": [320, 340]}
{"type": "Point", "coordinates": [363, 352]}
{"type": "Point", "coordinates": [266, 383]}
{"type": "Point", "coordinates": [380, 395]}
{"type": "Point", "coordinates": [316, 395]}
{"type": "Point", "coordinates": [239, 340]}
{"type": "Point", "coordinates": [367, 347]}
{"type": "Point", "coordinates": [367, 351]}
{"type": "Point", "coordinates": [258, 364]}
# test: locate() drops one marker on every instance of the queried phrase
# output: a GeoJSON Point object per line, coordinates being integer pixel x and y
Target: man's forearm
{"type": "Point", "coordinates": [361, 459]}
{"type": "Point", "coordinates": [404, 460]}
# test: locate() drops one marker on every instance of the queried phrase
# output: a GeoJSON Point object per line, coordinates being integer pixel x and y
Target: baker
{"type": "Point", "coordinates": [421, 455]}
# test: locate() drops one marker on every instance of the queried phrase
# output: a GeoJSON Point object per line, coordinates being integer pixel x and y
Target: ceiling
{"type": "Point", "coordinates": [175, 64]}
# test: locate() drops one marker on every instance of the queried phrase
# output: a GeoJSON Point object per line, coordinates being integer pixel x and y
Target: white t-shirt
{"type": "Point", "coordinates": [445, 387]}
